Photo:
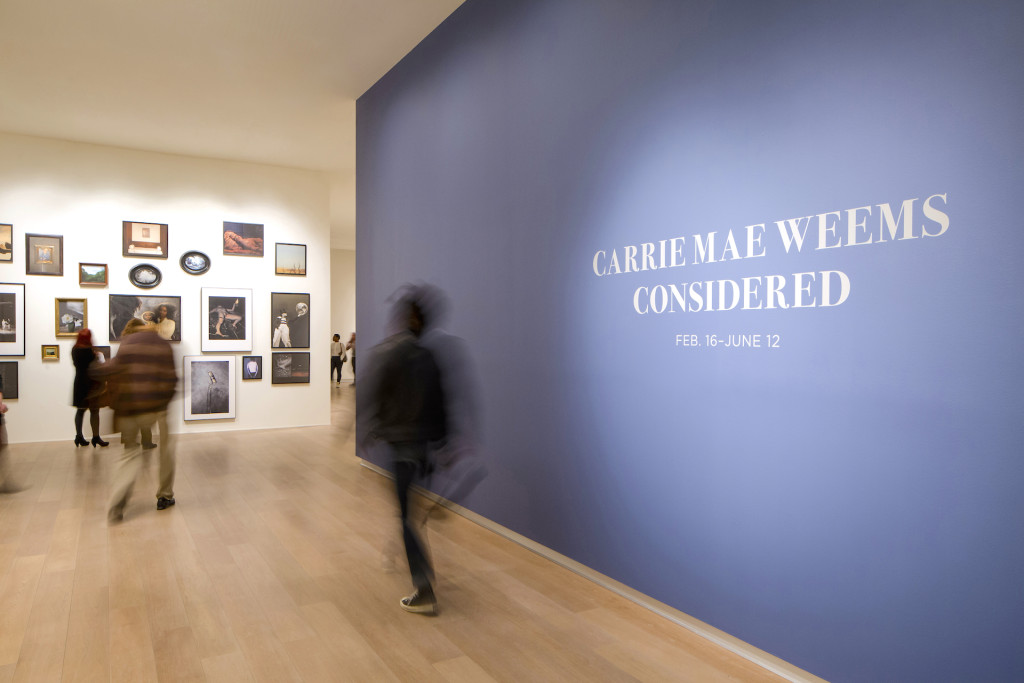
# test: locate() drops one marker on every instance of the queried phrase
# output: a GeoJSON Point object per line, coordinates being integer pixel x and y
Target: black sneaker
{"type": "Point", "coordinates": [164, 503]}
{"type": "Point", "coordinates": [420, 603]}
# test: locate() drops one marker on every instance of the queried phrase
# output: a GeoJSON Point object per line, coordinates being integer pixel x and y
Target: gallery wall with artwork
{"type": "Point", "coordinates": [741, 281]}
{"type": "Point", "coordinates": [226, 260]}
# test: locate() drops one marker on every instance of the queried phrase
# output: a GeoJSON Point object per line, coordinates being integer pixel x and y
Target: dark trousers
{"type": "Point", "coordinates": [410, 459]}
{"type": "Point", "coordinates": [336, 363]}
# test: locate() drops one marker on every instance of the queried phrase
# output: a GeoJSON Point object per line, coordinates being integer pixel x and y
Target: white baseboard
{"type": "Point", "coordinates": [763, 659]}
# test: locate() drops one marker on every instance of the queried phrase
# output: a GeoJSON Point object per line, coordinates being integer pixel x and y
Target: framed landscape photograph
{"type": "Point", "coordinates": [6, 242]}
{"type": "Point", "coordinates": [71, 316]}
{"type": "Point", "coordinates": [12, 319]}
{"type": "Point", "coordinates": [243, 239]}
{"type": "Point", "coordinates": [252, 367]}
{"type": "Point", "coordinates": [209, 387]}
{"type": "Point", "coordinates": [290, 259]}
{"type": "Point", "coordinates": [144, 240]}
{"type": "Point", "coordinates": [290, 368]}
{"type": "Point", "coordinates": [51, 352]}
{"type": "Point", "coordinates": [226, 319]}
{"type": "Point", "coordinates": [92, 274]}
{"type": "Point", "coordinates": [44, 255]}
{"type": "Point", "coordinates": [289, 320]}
{"type": "Point", "coordinates": [9, 377]}
{"type": "Point", "coordinates": [162, 311]}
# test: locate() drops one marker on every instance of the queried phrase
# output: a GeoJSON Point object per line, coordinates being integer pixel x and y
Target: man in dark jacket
{"type": "Point", "coordinates": [406, 406]}
{"type": "Point", "coordinates": [143, 377]}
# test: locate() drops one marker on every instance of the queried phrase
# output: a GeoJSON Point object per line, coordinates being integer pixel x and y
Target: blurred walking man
{"type": "Point", "coordinates": [144, 378]}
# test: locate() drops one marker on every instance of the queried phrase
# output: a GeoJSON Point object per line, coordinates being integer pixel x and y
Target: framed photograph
{"type": "Point", "coordinates": [12, 319]}
{"type": "Point", "coordinates": [209, 387]}
{"type": "Point", "coordinates": [51, 352]}
{"type": "Point", "coordinates": [290, 368]}
{"type": "Point", "coordinates": [290, 259]}
{"type": "Point", "coordinates": [44, 255]}
{"type": "Point", "coordinates": [9, 379]}
{"type": "Point", "coordinates": [92, 274]}
{"type": "Point", "coordinates": [252, 367]}
{"type": "Point", "coordinates": [162, 311]}
{"type": "Point", "coordinates": [243, 239]}
{"type": "Point", "coordinates": [102, 351]}
{"type": "Point", "coordinates": [6, 243]}
{"type": "Point", "coordinates": [145, 276]}
{"type": "Point", "coordinates": [144, 240]}
{"type": "Point", "coordinates": [226, 319]}
{"type": "Point", "coordinates": [194, 262]}
{"type": "Point", "coordinates": [289, 321]}
{"type": "Point", "coordinates": [71, 316]}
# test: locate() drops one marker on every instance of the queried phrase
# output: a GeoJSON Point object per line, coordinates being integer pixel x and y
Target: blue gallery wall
{"type": "Point", "coordinates": [846, 494]}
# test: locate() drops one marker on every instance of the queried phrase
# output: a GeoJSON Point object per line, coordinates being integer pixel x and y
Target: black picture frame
{"type": "Point", "coordinates": [12, 319]}
{"type": "Point", "coordinates": [290, 367]}
{"type": "Point", "coordinates": [289, 320]}
{"type": "Point", "coordinates": [9, 377]}
{"type": "Point", "coordinates": [124, 307]}
{"type": "Point", "coordinates": [144, 240]}
{"type": "Point", "coordinates": [252, 367]}
{"type": "Point", "coordinates": [145, 276]}
{"type": "Point", "coordinates": [44, 255]}
{"type": "Point", "coordinates": [194, 262]}
{"type": "Point", "coordinates": [243, 239]}
{"type": "Point", "coordinates": [290, 259]}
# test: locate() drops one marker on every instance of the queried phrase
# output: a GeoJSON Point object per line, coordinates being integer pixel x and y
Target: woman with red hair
{"type": "Point", "coordinates": [86, 390]}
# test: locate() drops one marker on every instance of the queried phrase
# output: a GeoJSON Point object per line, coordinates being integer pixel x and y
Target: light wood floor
{"type": "Point", "coordinates": [272, 568]}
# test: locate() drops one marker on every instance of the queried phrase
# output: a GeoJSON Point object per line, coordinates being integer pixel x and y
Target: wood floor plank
{"type": "Point", "coordinates": [282, 561]}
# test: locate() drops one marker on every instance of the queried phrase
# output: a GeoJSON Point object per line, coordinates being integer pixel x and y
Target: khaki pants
{"type": "Point", "coordinates": [127, 469]}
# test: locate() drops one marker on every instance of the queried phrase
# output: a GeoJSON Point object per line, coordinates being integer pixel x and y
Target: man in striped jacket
{"type": "Point", "coordinates": [143, 380]}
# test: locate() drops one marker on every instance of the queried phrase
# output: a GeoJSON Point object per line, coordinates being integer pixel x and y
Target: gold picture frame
{"type": "Point", "coordinates": [51, 352]}
{"type": "Point", "coordinates": [70, 316]}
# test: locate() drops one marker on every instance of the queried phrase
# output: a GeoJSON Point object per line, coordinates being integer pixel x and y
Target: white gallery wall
{"type": "Point", "coordinates": [84, 192]}
{"type": "Point", "coordinates": [343, 298]}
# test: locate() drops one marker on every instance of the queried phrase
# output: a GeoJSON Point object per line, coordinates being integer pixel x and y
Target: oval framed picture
{"type": "Point", "coordinates": [145, 276]}
{"type": "Point", "coordinates": [195, 262]}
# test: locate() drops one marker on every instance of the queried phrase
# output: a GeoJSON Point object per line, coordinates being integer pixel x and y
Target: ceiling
{"type": "Point", "coordinates": [265, 81]}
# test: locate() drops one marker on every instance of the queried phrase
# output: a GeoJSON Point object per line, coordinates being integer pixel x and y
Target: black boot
{"type": "Point", "coordinates": [80, 441]}
{"type": "Point", "coordinates": [97, 441]}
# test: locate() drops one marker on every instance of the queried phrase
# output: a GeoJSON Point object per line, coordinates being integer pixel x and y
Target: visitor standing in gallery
{"type": "Point", "coordinates": [144, 373]}
{"type": "Point", "coordinates": [86, 391]}
{"type": "Point", "coordinates": [337, 358]}
{"type": "Point", "coordinates": [351, 346]}
{"type": "Point", "coordinates": [405, 405]}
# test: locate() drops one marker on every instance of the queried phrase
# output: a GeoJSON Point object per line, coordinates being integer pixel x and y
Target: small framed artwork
{"type": "Point", "coordinates": [9, 379]}
{"type": "Point", "coordinates": [6, 243]}
{"type": "Point", "coordinates": [290, 259]}
{"type": "Point", "coordinates": [243, 239]}
{"type": "Point", "coordinates": [71, 316]}
{"type": "Point", "coordinates": [290, 368]}
{"type": "Point", "coordinates": [12, 319]}
{"type": "Point", "coordinates": [289, 320]}
{"type": "Point", "coordinates": [144, 240]}
{"type": "Point", "coordinates": [92, 274]}
{"type": "Point", "coordinates": [145, 276]}
{"type": "Point", "coordinates": [209, 387]}
{"type": "Point", "coordinates": [194, 262]}
{"type": "Point", "coordinates": [162, 311]}
{"type": "Point", "coordinates": [226, 319]}
{"type": "Point", "coordinates": [44, 255]}
{"type": "Point", "coordinates": [51, 352]}
{"type": "Point", "coordinates": [252, 367]}
{"type": "Point", "coordinates": [102, 353]}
